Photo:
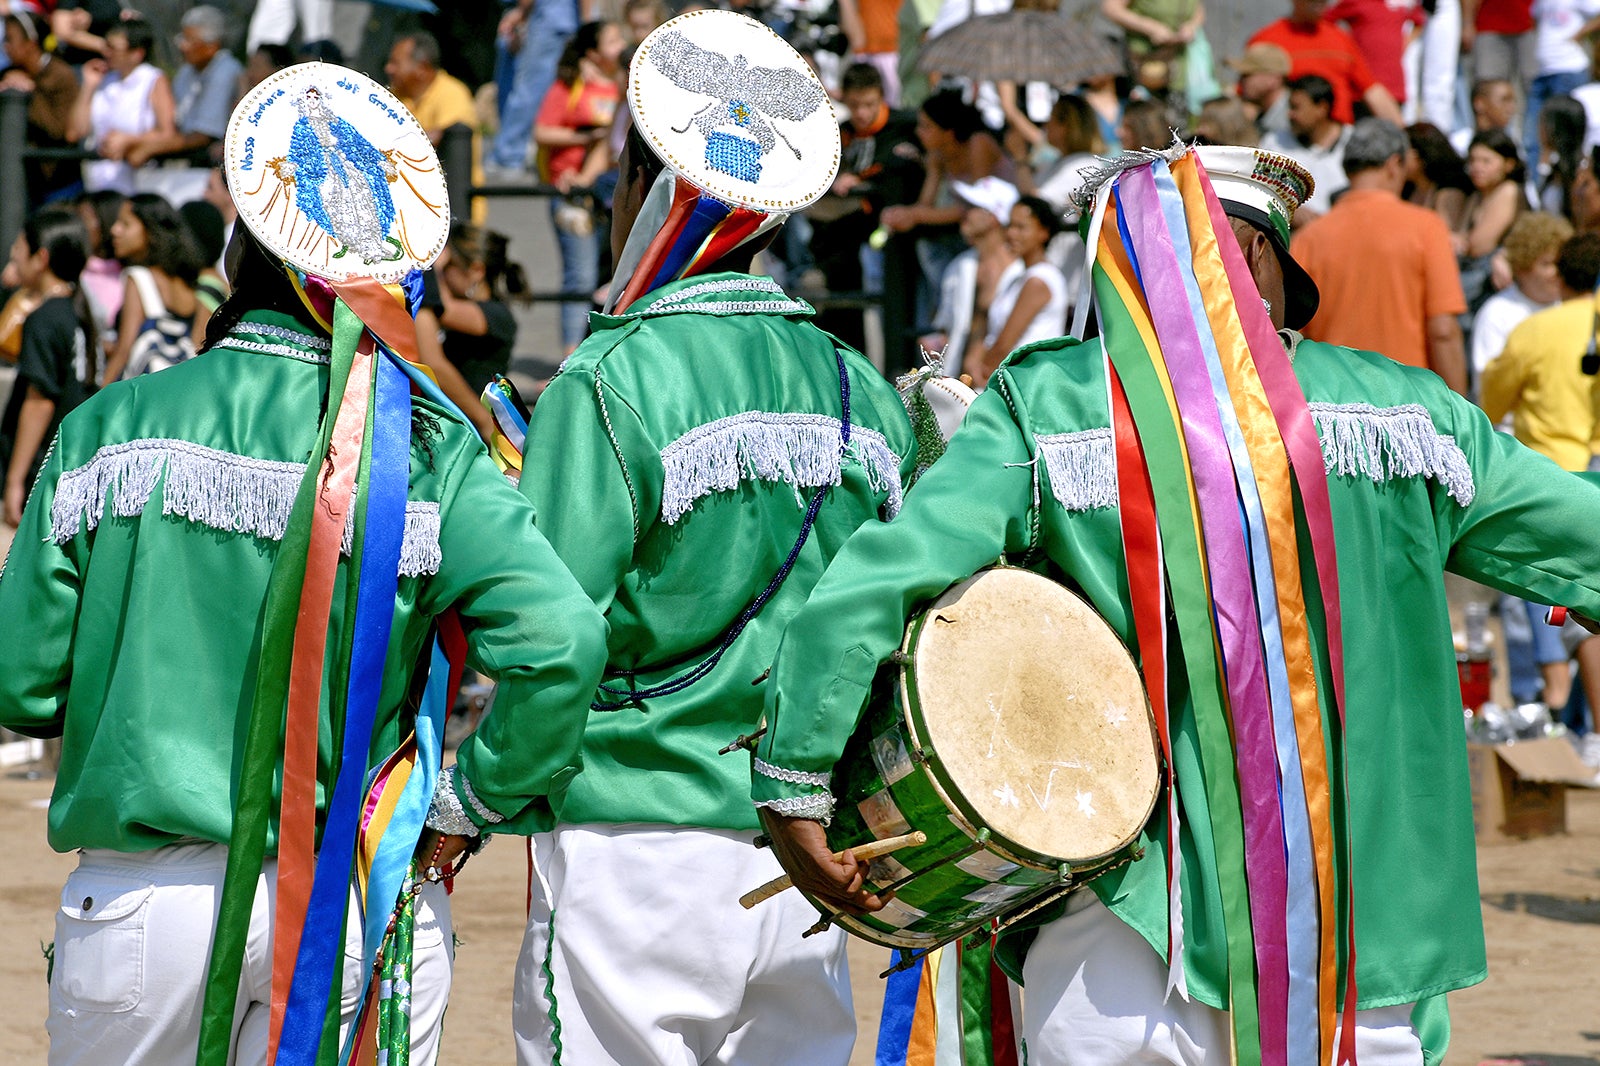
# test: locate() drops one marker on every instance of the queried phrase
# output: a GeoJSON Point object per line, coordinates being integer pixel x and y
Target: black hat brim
{"type": "Point", "coordinates": [1299, 290]}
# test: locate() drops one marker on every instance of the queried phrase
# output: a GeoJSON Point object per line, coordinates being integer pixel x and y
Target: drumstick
{"type": "Point", "coordinates": [870, 850]}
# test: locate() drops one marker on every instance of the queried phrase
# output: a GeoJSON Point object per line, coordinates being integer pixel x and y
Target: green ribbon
{"type": "Point", "coordinates": [977, 1009]}
{"type": "Point", "coordinates": [1191, 605]}
{"type": "Point", "coordinates": [264, 739]}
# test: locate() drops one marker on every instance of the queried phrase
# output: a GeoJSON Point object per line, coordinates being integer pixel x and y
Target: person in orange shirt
{"type": "Point", "coordinates": [1321, 48]}
{"type": "Point", "coordinates": [873, 29]}
{"type": "Point", "coordinates": [1386, 268]}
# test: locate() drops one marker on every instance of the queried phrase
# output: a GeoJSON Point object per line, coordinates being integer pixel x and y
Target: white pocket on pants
{"type": "Point", "coordinates": [100, 943]}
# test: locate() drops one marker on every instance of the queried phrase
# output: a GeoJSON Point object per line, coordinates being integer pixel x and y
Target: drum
{"type": "Point", "coordinates": [1018, 739]}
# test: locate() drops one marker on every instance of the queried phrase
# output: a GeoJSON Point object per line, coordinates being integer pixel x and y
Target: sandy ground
{"type": "Point", "coordinates": [1541, 907]}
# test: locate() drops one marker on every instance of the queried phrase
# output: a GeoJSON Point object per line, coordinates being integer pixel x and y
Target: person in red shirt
{"type": "Point", "coordinates": [1316, 46]}
{"type": "Point", "coordinates": [572, 131]}
{"type": "Point", "coordinates": [1381, 30]}
{"type": "Point", "coordinates": [1499, 34]}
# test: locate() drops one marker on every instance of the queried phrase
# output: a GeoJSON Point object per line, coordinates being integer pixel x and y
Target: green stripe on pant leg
{"type": "Point", "coordinates": [550, 987]}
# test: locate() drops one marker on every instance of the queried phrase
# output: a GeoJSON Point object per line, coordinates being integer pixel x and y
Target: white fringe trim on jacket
{"type": "Point", "coordinates": [1082, 468]}
{"type": "Point", "coordinates": [217, 489]}
{"type": "Point", "coordinates": [801, 450]}
{"type": "Point", "coordinates": [1358, 440]}
{"type": "Point", "coordinates": [1383, 443]}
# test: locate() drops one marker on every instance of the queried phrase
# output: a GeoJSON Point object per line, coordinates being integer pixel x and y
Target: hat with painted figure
{"type": "Point", "coordinates": [745, 131]}
{"type": "Point", "coordinates": [335, 176]}
{"type": "Point", "coordinates": [1266, 189]}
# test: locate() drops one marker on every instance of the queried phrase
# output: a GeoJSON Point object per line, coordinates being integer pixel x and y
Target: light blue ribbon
{"type": "Point", "coordinates": [1303, 921]}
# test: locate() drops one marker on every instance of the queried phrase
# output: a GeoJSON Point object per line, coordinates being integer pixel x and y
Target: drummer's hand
{"type": "Point", "coordinates": [802, 847]}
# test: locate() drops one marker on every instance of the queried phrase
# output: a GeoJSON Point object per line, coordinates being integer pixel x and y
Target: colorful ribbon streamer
{"type": "Point", "coordinates": [364, 440]}
{"type": "Point", "coordinates": [695, 231]}
{"type": "Point", "coordinates": [952, 1005]}
{"type": "Point", "coordinates": [1212, 428]}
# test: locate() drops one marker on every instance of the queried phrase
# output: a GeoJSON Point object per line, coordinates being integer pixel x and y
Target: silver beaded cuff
{"type": "Point", "coordinates": [792, 777]}
{"type": "Point", "coordinates": [445, 813]}
{"type": "Point", "coordinates": [486, 814]}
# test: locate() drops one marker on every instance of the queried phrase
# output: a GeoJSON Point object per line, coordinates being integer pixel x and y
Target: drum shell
{"type": "Point", "coordinates": [889, 782]}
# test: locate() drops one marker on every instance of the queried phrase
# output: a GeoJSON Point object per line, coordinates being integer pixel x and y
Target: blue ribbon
{"type": "Point", "coordinates": [426, 385]}
{"type": "Point", "coordinates": [708, 212]}
{"type": "Point", "coordinates": [395, 847]}
{"type": "Point", "coordinates": [1303, 916]}
{"type": "Point", "coordinates": [899, 1011]}
{"type": "Point", "coordinates": [323, 937]}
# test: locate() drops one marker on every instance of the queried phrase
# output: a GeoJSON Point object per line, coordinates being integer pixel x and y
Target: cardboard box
{"type": "Point", "coordinates": [1519, 790]}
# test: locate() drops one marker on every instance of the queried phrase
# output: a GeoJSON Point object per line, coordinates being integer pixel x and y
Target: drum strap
{"type": "Point", "coordinates": [630, 695]}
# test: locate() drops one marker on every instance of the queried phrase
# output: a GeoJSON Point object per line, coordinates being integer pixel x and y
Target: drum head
{"type": "Point", "coordinates": [1036, 715]}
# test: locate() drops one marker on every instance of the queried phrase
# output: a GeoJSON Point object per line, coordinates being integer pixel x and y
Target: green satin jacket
{"type": "Point", "coordinates": [1420, 484]}
{"type": "Point", "coordinates": [133, 598]}
{"type": "Point", "coordinates": [671, 462]}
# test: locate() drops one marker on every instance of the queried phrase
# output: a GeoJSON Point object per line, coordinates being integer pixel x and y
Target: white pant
{"type": "Point", "coordinates": [638, 952]}
{"type": "Point", "coordinates": [1093, 996]}
{"type": "Point", "coordinates": [133, 943]}
{"type": "Point", "coordinates": [274, 21]}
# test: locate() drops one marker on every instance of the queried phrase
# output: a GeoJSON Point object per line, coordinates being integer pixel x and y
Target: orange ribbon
{"type": "Point", "coordinates": [298, 805]}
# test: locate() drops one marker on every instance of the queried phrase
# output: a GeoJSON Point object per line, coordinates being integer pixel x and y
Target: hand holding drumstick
{"type": "Point", "coordinates": [802, 847]}
{"type": "Point", "coordinates": [870, 850]}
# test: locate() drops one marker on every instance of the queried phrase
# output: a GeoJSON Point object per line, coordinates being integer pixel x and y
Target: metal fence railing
{"type": "Point", "coordinates": [455, 154]}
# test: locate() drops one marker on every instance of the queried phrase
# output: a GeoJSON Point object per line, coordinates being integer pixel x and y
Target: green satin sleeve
{"type": "Point", "coordinates": [1530, 527]}
{"type": "Point", "coordinates": [39, 586]}
{"type": "Point", "coordinates": [530, 627]}
{"type": "Point", "coordinates": [969, 509]}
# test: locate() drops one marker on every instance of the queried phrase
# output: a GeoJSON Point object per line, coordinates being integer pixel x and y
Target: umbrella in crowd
{"type": "Point", "coordinates": [1021, 46]}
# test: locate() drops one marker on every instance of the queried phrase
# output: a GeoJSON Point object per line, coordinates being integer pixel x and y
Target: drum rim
{"type": "Point", "coordinates": [911, 710]}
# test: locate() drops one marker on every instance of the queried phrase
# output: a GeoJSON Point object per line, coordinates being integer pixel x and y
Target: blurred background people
{"type": "Point", "coordinates": [53, 89]}
{"type": "Point", "coordinates": [1386, 269]}
{"type": "Point", "coordinates": [572, 132]}
{"type": "Point", "coordinates": [58, 366]}
{"type": "Point", "coordinates": [123, 98]}
{"type": "Point", "coordinates": [1028, 305]}
{"type": "Point", "coordinates": [1435, 176]}
{"type": "Point", "coordinates": [161, 321]}
{"type": "Point", "coordinates": [1498, 196]}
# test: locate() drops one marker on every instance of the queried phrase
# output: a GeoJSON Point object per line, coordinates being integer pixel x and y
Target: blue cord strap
{"type": "Point", "coordinates": [632, 697]}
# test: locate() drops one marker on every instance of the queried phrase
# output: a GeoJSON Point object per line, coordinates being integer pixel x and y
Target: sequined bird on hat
{"type": "Point", "coordinates": [743, 97]}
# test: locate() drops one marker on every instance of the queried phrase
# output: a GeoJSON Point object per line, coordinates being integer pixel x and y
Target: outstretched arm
{"type": "Point", "coordinates": [855, 618]}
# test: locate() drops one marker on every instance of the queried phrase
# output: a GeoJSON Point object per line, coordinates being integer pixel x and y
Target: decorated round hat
{"type": "Point", "coordinates": [1266, 189]}
{"type": "Point", "coordinates": [731, 107]}
{"type": "Point", "coordinates": [334, 175]}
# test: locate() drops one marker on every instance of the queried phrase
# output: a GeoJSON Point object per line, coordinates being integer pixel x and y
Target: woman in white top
{"type": "Point", "coordinates": [1029, 306]}
{"type": "Point", "coordinates": [122, 97]}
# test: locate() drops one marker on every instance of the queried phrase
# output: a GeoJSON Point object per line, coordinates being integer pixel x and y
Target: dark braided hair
{"type": "Point", "coordinates": [259, 284]}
